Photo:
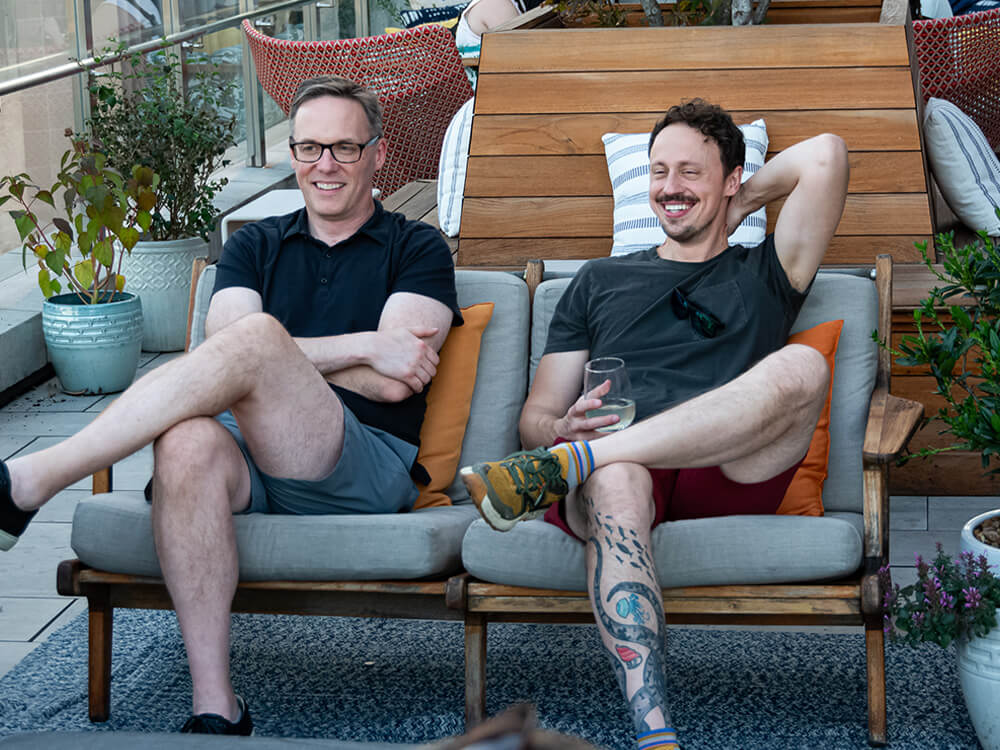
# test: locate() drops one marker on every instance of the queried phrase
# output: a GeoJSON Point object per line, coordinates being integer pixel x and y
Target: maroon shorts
{"type": "Point", "coordinates": [700, 493]}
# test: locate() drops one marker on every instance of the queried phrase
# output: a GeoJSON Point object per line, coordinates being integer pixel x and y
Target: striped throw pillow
{"type": "Point", "coordinates": [451, 169]}
{"type": "Point", "coordinates": [964, 165]}
{"type": "Point", "coordinates": [636, 226]}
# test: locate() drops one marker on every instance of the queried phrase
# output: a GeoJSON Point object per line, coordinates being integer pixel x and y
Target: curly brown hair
{"type": "Point", "coordinates": [710, 120]}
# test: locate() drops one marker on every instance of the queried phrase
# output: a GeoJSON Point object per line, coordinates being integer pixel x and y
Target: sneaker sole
{"type": "Point", "coordinates": [7, 540]}
{"type": "Point", "coordinates": [476, 486]}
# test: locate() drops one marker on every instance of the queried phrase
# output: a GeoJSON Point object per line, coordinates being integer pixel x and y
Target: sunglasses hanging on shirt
{"type": "Point", "coordinates": [702, 321]}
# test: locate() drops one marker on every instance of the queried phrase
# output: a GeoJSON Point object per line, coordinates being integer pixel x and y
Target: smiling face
{"type": "Point", "coordinates": [335, 192]}
{"type": "Point", "coordinates": [688, 186]}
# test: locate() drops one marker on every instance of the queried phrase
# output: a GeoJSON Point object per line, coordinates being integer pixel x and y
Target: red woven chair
{"type": "Point", "coordinates": [416, 73]}
{"type": "Point", "coordinates": [959, 60]}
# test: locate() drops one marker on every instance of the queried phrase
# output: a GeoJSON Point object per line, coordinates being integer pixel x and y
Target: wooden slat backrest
{"type": "Point", "coordinates": [537, 184]}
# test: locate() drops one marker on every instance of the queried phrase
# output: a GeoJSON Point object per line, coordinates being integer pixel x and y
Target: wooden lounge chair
{"type": "Point", "coordinates": [544, 99]}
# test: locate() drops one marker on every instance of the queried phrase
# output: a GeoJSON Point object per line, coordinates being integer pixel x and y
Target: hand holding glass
{"type": "Point", "coordinates": [618, 399]}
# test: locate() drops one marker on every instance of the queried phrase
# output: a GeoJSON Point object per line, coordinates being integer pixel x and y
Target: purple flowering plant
{"type": "Point", "coordinates": [952, 599]}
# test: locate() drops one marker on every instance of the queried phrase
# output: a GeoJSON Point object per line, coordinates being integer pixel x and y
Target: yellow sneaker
{"type": "Point", "coordinates": [519, 487]}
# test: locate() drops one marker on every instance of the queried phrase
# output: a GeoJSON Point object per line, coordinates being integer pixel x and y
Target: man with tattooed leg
{"type": "Point", "coordinates": [725, 409]}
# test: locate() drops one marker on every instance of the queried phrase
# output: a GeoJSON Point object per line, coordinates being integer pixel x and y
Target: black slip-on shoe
{"type": "Point", "coordinates": [13, 520]}
{"type": "Point", "coordinates": [216, 724]}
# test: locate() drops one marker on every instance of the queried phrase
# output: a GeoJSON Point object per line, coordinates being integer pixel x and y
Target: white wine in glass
{"type": "Point", "coordinates": [618, 400]}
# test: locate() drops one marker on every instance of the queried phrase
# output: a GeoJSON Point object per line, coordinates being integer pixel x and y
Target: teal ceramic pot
{"type": "Point", "coordinates": [160, 273]}
{"type": "Point", "coordinates": [93, 348]}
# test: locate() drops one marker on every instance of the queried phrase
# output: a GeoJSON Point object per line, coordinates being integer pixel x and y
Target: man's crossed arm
{"type": "Point", "coordinates": [388, 364]}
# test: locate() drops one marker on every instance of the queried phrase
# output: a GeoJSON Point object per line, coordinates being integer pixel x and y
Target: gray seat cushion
{"type": "Point", "coordinates": [112, 532]}
{"type": "Point", "coordinates": [698, 552]}
{"type": "Point", "coordinates": [734, 549]}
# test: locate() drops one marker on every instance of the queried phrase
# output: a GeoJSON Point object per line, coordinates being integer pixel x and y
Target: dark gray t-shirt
{"type": "Point", "coordinates": [621, 307]}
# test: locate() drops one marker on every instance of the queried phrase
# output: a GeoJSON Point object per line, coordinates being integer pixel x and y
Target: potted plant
{"type": "Point", "coordinates": [141, 114]}
{"type": "Point", "coordinates": [962, 351]}
{"type": "Point", "coordinates": [955, 601]}
{"type": "Point", "coordinates": [608, 13]}
{"type": "Point", "coordinates": [93, 332]}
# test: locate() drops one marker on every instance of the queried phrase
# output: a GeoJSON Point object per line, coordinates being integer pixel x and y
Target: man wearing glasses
{"type": "Point", "coordinates": [323, 333]}
{"type": "Point", "coordinates": [725, 410]}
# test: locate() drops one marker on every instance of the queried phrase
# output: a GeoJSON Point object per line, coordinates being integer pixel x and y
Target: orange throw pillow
{"type": "Point", "coordinates": [804, 496]}
{"type": "Point", "coordinates": [448, 403]}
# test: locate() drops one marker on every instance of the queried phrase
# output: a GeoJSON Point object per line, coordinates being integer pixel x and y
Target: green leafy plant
{"type": "Point", "coordinates": [140, 113]}
{"type": "Point", "coordinates": [963, 353]}
{"type": "Point", "coordinates": [608, 13]}
{"type": "Point", "coordinates": [950, 600]}
{"type": "Point", "coordinates": [105, 211]}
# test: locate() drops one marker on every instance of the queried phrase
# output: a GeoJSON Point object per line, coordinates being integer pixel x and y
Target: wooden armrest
{"type": "Point", "coordinates": [891, 423]}
{"type": "Point", "coordinates": [101, 481]}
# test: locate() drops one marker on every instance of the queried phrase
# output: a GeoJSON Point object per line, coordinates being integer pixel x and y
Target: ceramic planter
{"type": "Point", "coordinates": [979, 658]}
{"type": "Point", "coordinates": [93, 348]}
{"type": "Point", "coordinates": [160, 273]}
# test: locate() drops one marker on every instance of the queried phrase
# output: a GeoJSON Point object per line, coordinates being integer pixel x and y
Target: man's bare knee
{"type": "Point", "coordinates": [268, 336]}
{"type": "Point", "coordinates": [192, 453]}
{"type": "Point", "coordinates": [804, 377]}
{"type": "Point", "coordinates": [621, 491]}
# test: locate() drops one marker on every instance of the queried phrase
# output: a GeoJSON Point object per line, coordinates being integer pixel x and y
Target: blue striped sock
{"type": "Point", "coordinates": [577, 460]}
{"type": "Point", "coordinates": [664, 739]}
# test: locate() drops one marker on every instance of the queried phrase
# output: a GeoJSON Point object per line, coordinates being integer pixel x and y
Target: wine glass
{"type": "Point", "coordinates": [618, 400]}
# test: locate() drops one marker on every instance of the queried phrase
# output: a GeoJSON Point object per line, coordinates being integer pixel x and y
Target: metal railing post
{"type": "Point", "coordinates": [83, 25]}
{"type": "Point", "coordinates": [253, 96]}
{"type": "Point", "coordinates": [361, 20]}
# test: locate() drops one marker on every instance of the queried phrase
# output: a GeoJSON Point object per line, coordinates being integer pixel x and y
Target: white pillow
{"type": "Point", "coordinates": [964, 165]}
{"type": "Point", "coordinates": [635, 225]}
{"type": "Point", "coordinates": [451, 169]}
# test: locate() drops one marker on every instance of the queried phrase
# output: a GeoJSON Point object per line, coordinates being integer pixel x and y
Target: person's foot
{"type": "Point", "coordinates": [519, 487]}
{"type": "Point", "coordinates": [13, 520]}
{"type": "Point", "coordinates": [216, 724]}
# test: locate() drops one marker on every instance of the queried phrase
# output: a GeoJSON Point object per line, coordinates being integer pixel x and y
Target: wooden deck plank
{"type": "Point", "coordinates": [507, 251]}
{"type": "Point", "coordinates": [533, 134]}
{"type": "Point", "coordinates": [491, 176]}
{"type": "Point", "coordinates": [734, 89]}
{"type": "Point", "coordinates": [889, 214]}
{"type": "Point", "coordinates": [691, 48]}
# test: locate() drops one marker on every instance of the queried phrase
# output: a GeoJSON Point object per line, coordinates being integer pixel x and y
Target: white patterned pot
{"type": "Point", "coordinates": [160, 273]}
{"type": "Point", "coordinates": [93, 348]}
{"type": "Point", "coordinates": [979, 658]}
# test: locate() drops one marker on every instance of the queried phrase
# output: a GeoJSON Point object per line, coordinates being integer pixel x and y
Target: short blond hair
{"type": "Point", "coordinates": [314, 88]}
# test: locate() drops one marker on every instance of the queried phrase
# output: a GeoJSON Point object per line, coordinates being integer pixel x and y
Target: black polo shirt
{"type": "Point", "coordinates": [319, 290]}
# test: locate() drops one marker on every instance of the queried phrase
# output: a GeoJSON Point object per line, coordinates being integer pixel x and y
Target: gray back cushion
{"type": "Point", "coordinates": [835, 295]}
{"type": "Point", "coordinates": [501, 378]}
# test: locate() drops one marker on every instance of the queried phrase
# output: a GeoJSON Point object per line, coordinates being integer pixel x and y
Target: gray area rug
{"type": "Point", "coordinates": [402, 681]}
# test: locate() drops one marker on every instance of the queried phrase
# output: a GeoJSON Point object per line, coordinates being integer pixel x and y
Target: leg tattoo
{"type": "Point", "coordinates": [635, 638]}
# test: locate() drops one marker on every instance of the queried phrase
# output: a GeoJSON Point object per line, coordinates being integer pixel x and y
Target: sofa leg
{"type": "Point", "coordinates": [875, 650]}
{"type": "Point", "coordinates": [475, 669]}
{"type": "Point", "coordinates": [99, 667]}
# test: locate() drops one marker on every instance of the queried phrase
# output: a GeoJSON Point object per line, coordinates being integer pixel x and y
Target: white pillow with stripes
{"type": "Point", "coordinates": [451, 169]}
{"type": "Point", "coordinates": [636, 226]}
{"type": "Point", "coordinates": [964, 165]}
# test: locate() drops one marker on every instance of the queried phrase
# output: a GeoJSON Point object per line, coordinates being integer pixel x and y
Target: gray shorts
{"type": "Point", "coordinates": [372, 476]}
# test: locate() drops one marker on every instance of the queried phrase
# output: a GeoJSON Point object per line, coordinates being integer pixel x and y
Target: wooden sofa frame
{"type": "Point", "coordinates": [542, 104]}
{"type": "Point", "coordinates": [408, 599]}
{"type": "Point", "coordinates": [545, 96]}
{"type": "Point", "coordinates": [856, 600]}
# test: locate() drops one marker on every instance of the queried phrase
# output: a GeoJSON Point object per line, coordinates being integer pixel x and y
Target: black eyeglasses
{"type": "Point", "coordinates": [701, 319]}
{"type": "Point", "coordinates": [344, 152]}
